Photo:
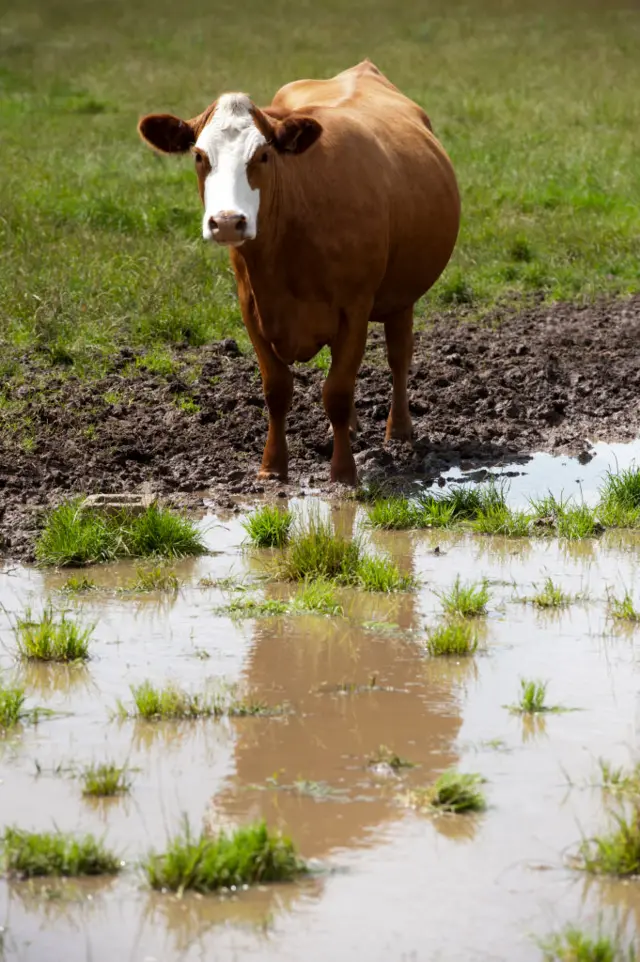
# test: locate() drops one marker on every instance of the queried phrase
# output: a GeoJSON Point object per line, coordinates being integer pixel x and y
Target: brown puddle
{"type": "Point", "coordinates": [393, 884]}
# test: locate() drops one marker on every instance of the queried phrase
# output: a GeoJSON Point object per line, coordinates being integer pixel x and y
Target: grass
{"type": "Point", "coordinates": [385, 756]}
{"type": "Point", "coordinates": [465, 600]}
{"type": "Point", "coordinates": [48, 638]}
{"type": "Point", "coordinates": [454, 638]}
{"type": "Point", "coordinates": [172, 703]}
{"type": "Point", "coordinates": [78, 584]}
{"type": "Point", "coordinates": [154, 579]}
{"type": "Point", "coordinates": [248, 856]}
{"type": "Point", "coordinates": [532, 699]}
{"type": "Point", "coordinates": [105, 780]}
{"type": "Point", "coordinates": [269, 527]}
{"type": "Point", "coordinates": [617, 853]}
{"type": "Point", "coordinates": [454, 792]}
{"type": "Point", "coordinates": [549, 595]}
{"type": "Point", "coordinates": [573, 945]}
{"type": "Point", "coordinates": [12, 699]}
{"type": "Point", "coordinates": [316, 552]}
{"type": "Point", "coordinates": [622, 609]}
{"type": "Point", "coordinates": [622, 490]}
{"type": "Point", "coordinates": [35, 854]}
{"type": "Point", "coordinates": [617, 780]}
{"type": "Point", "coordinates": [74, 536]}
{"type": "Point", "coordinates": [313, 597]}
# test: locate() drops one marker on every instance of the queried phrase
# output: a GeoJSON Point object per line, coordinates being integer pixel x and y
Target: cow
{"type": "Point", "coordinates": [339, 207]}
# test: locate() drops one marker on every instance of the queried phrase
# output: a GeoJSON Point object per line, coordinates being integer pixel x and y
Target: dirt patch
{"type": "Point", "coordinates": [548, 378]}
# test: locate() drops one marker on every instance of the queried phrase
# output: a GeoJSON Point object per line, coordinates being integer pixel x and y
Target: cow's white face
{"type": "Point", "coordinates": [228, 143]}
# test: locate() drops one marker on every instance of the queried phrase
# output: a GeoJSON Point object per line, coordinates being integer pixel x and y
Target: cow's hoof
{"type": "Point", "coordinates": [345, 474]}
{"type": "Point", "coordinates": [267, 474]}
{"type": "Point", "coordinates": [399, 432]}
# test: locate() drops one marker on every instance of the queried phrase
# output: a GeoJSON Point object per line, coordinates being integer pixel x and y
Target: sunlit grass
{"type": "Point", "coordinates": [622, 490]}
{"type": "Point", "coordinates": [12, 699]}
{"type": "Point", "coordinates": [617, 780]}
{"type": "Point", "coordinates": [204, 863]}
{"type": "Point", "coordinates": [170, 702]}
{"type": "Point", "coordinates": [105, 780]}
{"type": "Point", "coordinates": [454, 792]}
{"type": "Point", "coordinates": [51, 637]}
{"type": "Point", "coordinates": [622, 608]}
{"type": "Point", "coordinates": [549, 595]}
{"type": "Point", "coordinates": [269, 527]}
{"type": "Point", "coordinates": [33, 854]}
{"type": "Point", "coordinates": [154, 579]}
{"type": "Point", "coordinates": [574, 945]}
{"type": "Point", "coordinates": [465, 600]}
{"type": "Point", "coordinates": [532, 699]}
{"type": "Point", "coordinates": [78, 584]}
{"type": "Point", "coordinates": [452, 638]}
{"type": "Point", "coordinates": [73, 535]}
{"type": "Point", "coordinates": [618, 852]}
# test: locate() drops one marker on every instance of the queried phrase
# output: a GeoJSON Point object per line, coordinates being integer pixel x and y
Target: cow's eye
{"type": "Point", "coordinates": [198, 158]}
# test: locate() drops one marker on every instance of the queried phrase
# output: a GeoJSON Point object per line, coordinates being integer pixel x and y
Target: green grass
{"type": "Point", "coordinates": [12, 699]}
{"type": "Point", "coordinates": [154, 579]}
{"type": "Point", "coordinates": [250, 855]}
{"type": "Point", "coordinates": [465, 600]}
{"type": "Point", "coordinates": [565, 518]}
{"type": "Point", "coordinates": [622, 490]}
{"type": "Point", "coordinates": [78, 584]}
{"type": "Point", "coordinates": [617, 780]}
{"type": "Point", "coordinates": [453, 792]}
{"type": "Point", "coordinates": [618, 852]}
{"type": "Point", "coordinates": [623, 608]}
{"type": "Point", "coordinates": [454, 638]}
{"type": "Point", "coordinates": [313, 597]}
{"type": "Point", "coordinates": [172, 703]}
{"type": "Point", "coordinates": [532, 699]}
{"type": "Point", "coordinates": [269, 527]}
{"type": "Point", "coordinates": [316, 552]}
{"type": "Point", "coordinates": [73, 536]}
{"type": "Point", "coordinates": [574, 945]}
{"type": "Point", "coordinates": [52, 638]}
{"type": "Point", "coordinates": [35, 854]}
{"type": "Point", "coordinates": [549, 595]}
{"type": "Point", "coordinates": [101, 237]}
{"type": "Point", "coordinates": [385, 756]}
{"type": "Point", "coordinates": [105, 780]}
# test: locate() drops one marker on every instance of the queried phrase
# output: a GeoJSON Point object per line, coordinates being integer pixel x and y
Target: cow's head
{"type": "Point", "coordinates": [236, 146]}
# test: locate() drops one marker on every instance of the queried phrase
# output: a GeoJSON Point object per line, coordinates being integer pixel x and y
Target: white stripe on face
{"type": "Point", "coordinates": [230, 140]}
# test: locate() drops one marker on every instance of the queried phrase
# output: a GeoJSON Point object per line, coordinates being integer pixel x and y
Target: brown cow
{"type": "Point", "coordinates": [339, 207]}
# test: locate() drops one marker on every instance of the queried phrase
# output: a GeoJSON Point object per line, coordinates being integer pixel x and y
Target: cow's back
{"type": "Point", "coordinates": [388, 171]}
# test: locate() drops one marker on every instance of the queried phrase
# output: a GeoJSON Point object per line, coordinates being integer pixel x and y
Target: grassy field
{"type": "Point", "coordinates": [100, 239]}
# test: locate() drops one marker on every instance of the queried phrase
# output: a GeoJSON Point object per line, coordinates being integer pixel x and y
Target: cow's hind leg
{"type": "Point", "coordinates": [346, 355]}
{"type": "Point", "coordinates": [398, 332]}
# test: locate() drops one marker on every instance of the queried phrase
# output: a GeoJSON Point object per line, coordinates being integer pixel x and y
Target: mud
{"type": "Point", "coordinates": [388, 884]}
{"type": "Point", "coordinates": [548, 378]}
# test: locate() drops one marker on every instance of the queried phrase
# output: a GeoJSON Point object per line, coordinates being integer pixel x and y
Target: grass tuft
{"type": "Point", "coordinates": [318, 597]}
{"type": "Point", "coordinates": [622, 609]}
{"type": "Point", "coordinates": [453, 792]}
{"type": "Point", "coordinates": [105, 780]}
{"type": "Point", "coordinates": [247, 856]}
{"type": "Point", "coordinates": [154, 579]}
{"type": "Point", "coordinates": [269, 527]}
{"type": "Point", "coordinates": [73, 535]}
{"type": "Point", "coordinates": [532, 700]}
{"type": "Point", "coordinates": [12, 699]}
{"type": "Point", "coordinates": [385, 756]}
{"type": "Point", "coordinates": [48, 639]}
{"type": "Point", "coordinates": [173, 703]}
{"type": "Point", "coordinates": [33, 854]}
{"type": "Point", "coordinates": [78, 584]}
{"type": "Point", "coordinates": [572, 945]}
{"type": "Point", "coordinates": [617, 781]}
{"type": "Point", "coordinates": [456, 638]}
{"type": "Point", "coordinates": [549, 596]}
{"type": "Point", "coordinates": [622, 490]}
{"type": "Point", "coordinates": [617, 853]}
{"type": "Point", "coordinates": [467, 601]}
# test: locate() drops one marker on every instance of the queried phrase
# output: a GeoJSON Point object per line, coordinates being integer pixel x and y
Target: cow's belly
{"type": "Point", "coordinates": [299, 330]}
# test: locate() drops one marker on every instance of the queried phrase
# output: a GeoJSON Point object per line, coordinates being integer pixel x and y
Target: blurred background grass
{"type": "Point", "coordinates": [537, 103]}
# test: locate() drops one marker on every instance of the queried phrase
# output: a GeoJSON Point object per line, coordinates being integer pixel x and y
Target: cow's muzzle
{"type": "Point", "coordinates": [228, 227]}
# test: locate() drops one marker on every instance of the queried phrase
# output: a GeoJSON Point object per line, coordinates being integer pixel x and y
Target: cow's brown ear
{"type": "Point", "coordinates": [167, 133]}
{"type": "Point", "coordinates": [296, 134]}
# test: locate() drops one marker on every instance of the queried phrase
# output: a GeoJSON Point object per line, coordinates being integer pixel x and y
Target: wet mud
{"type": "Point", "coordinates": [388, 883]}
{"type": "Point", "coordinates": [548, 378]}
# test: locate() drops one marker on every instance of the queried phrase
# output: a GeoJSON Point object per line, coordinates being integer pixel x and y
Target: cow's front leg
{"type": "Point", "coordinates": [346, 356]}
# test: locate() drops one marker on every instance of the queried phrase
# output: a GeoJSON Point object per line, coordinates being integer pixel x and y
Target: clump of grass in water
{"type": "Point", "coordinates": [317, 553]}
{"type": "Point", "coordinates": [154, 579]}
{"type": "Point", "coordinates": [33, 854]}
{"type": "Point", "coordinates": [12, 699]}
{"type": "Point", "coordinates": [45, 639]}
{"type": "Point", "coordinates": [248, 856]}
{"type": "Point", "coordinates": [73, 535]}
{"type": "Point", "coordinates": [572, 945]}
{"type": "Point", "coordinates": [269, 527]}
{"type": "Point", "coordinates": [77, 584]}
{"type": "Point", "coordinates": [454, 792]}
{"type": "Point", "coordinates": [532, 700]}
{"type": "Point", "coordinates": [105, 780]}
{"type": "Point", "coordinates": [385, 756]}
{"type": "Point", "coordinates": [172, 703]}
{"type": "Point", "coordinates": [617, 853]}
{"type": "Point", "coordinates": [549, 596]}
{"type": "Point", "coordinates": [623, 608]}
{"type": "Point", "coordinates": [565, 518]}
{"type": "Point", "coordinates": [618, 781]}
{"type": "Point", "coordinates": [254, 608]}
{"type": "Point", "coordinates": [466, 601]}
{"type": "Point", "coordinates": [456, 638]}
{"type": "Point", "coordinates": [622, 490]}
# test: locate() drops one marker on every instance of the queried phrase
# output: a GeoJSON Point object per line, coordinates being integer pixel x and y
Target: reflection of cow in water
{"type": "Point", "coordinates": [411, 707]}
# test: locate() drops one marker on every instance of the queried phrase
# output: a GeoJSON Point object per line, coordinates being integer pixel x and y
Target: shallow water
{"type": "Point", "coordinates": [391, 884]}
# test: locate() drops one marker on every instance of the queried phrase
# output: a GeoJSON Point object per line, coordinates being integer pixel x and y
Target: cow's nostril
{"type": "Point", "coordinates": [241, 223]}
{"type": "Point", "coordinates": [213, 224]}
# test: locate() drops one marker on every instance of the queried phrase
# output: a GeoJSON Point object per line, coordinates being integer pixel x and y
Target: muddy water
{"type": "Point", "coordinates": [391, 884]}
